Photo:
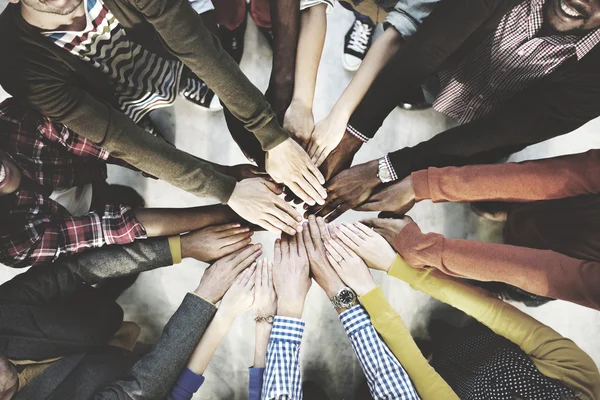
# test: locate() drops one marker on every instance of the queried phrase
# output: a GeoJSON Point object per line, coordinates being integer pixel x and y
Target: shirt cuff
{"type": "Point", "coordinates": [356, 134]}
{"type": "Point", "coordinates": [189, 382]}
{"type": "Point", "coordinates": [420, 181]}
{"type": "Point", "coordinates": [355, 319]}
{"type": "Point", "coordinates": [175, 248]}
{"type": "Point", "coordinates": [288, 329]}
{"type": "Point", "coordinates": [255, 383]}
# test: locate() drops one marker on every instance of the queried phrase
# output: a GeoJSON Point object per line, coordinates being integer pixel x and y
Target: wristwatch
{"type": "Point", "coordinates": [383, 173]}
{"type": "Point", "coordinates": [344, 298]}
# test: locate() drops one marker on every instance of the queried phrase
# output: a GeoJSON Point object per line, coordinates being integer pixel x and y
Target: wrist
{"type": "Point", "coordinates": [207, 294]}
{"type": "Point", "coordinates": [291, 308]}
{"type": "Point", "coordinates": [372, 173]}
{"type": "Point", "coordinates": [365, 287]}
{"type": "Point", "coordinates": [301, 103]}
{"type": "Point", "coordinates": [340, 114]}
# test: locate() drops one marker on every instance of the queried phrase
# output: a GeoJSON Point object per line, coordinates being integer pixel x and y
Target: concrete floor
{"type": "Point", "coordinates": [327, 357]}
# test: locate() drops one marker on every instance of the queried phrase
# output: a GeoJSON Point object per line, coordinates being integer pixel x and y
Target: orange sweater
{"type": "Point", "coordinates": [542, 272]}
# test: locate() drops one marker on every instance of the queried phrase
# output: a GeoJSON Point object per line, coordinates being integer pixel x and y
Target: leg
{"type": "Point", "coordinates": [231, 15]}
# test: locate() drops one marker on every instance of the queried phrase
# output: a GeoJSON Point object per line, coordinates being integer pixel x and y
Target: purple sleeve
{"type": "Point", "coordinates": [187, 384]}
{"type": "Point", "coordinates": [255, 384]}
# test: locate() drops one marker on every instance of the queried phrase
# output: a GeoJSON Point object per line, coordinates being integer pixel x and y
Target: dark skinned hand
{"type": "Point", "coordinates": [341, 157]}
{"type": "Point", "coordinates": [349, 189]}
{"type": "Point", "coordinates": [246, 171]}
{"type": "Point", "coordinates": [398, 198]}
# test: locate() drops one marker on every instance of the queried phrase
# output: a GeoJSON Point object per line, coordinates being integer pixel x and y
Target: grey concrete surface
{"type": "Point", "coordinates": [327, 357]}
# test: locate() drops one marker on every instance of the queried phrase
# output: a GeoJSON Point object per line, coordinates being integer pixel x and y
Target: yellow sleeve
{"type": "Point", "coordinates": [391, 328]}
{"type": "Point", "coordinates": [554, 355]}
{"type": "Point", "coordinates": [175, 247]}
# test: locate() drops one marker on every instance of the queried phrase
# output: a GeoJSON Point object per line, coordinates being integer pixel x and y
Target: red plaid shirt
{"type": "Point", "coordinates": [34, 228]}
{"type": "Point", "coordinates": [506, 63]}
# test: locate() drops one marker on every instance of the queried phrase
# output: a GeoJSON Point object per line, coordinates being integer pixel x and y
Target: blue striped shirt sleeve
{"type": "Point", "coordinates": [385, 376]}
{"type": "Point", "coordinates": [282, 380]}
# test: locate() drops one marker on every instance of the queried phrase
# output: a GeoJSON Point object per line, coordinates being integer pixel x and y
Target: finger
{"type": "Point", "coordinates": [329, 207]}
{"type": "Point", "coordinates": [370, 205]}
{"type": "Point", "coordinates": [277, 251]}
{"type": "Point", "coordinates": [273, 187]}
{"type": "Point", "coordinates": [347, 230]}
{"type": "Point", "coordinates": [310, 190]}
{"type": "Point", "coordinates": [312, 149]}
{"type": "Point", "coordinates": [221, 228]}
{"type": "Point", "coordinates": [229, 240]}
{"type": "Point", "coordinates": [332, 250]}
{"type": "Point", "coordinates": [258, 171]}
{"type": "Point", "coordinates": [276, 222]}
{"type": "Point", "coordinates": [323, 229]}
{"type": "Point", "coordinates": [294, 245]}
{"type": "Point", "coordinates": [290, 210]}
{"type": "Point", "coordinates": [244, 253]}
{"type": "Point", "coordinates": [373, 222]}
{"type": "Point", "coordinates": [258, 278]}
{"type": "Point", "coordinates": [333, 262]}
{"type": "Point", "coordinates": [322, 157]}
{"type": "Point", "coordinates": [269, 227]}
{"type": "Point", "coordinates": [339, 210]}
{"type": "Point", "coordinates": [363, 228]}
{"type": "Point", "coordinates": [270, 271]}
{"type": "Point", "coordinates": [248, 261]}
{"type": "Point", "coordinates": [347, 240]}
{"type": "Point", "coordinates": [248, 275]}
{"type": "Point", "coordinates": [306, 237]}
{"type": "Point", "coordinates": [314, 182]}
{"type": "Point", "coordinates": [285, 247]}
{"type": "Point", "coordinates": [301, 246]}
{"type": "Point", "coordinates": [315, 234]}
{"type": "Point", "coordinates": [298, 191]}
{"type": "Point", "coordinates": [232, 231]}
{"type": "Point", "coordinates": [232, 248]}
{"type": "Point", "coordinates": [241, 278]}
{"type": "Point", "coordinates": [317, 174]}
{"type": "Point", "coordinates": [340, 248]}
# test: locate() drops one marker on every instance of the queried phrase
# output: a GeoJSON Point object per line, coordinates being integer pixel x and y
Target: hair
{"type": "Point", "coordinates": [8, 375]}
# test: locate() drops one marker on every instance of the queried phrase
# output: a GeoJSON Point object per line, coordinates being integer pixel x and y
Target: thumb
{"type": "Point", "coordinates": [390, 215]}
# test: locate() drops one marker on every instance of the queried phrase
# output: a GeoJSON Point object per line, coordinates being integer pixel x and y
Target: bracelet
{"type": "Point", "coordinates": [268, 319]}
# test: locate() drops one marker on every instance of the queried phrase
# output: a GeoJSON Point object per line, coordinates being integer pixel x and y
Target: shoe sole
{"type": "Point", "coordinates": [349, 67]}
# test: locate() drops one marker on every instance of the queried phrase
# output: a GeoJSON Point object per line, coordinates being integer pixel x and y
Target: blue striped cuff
{"type": "Point", "coordinates": [351, 130]}
{"type": "Point", "coordinates": [289, 329]}
{"type": "Point", "coordinates": [355, 319]}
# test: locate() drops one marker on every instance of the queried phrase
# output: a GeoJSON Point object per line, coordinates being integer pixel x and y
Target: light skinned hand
{"type": "Point", "coordinates": [368, 244]}
{"type": "Point", "coordinates": [256, 200]}
{"type": "Point", "coordinates": [389, 228]}
{"type": "Point", "coordinates": [349, 267]}
{"type": "Point", "coordinates": [288, 164]}
{"type": "Point", "coordinates": [398, 198]}
{"type": "Point", "coordinates": [326, 136]}
{"type": "Point", "coordinates": [240, 296]}
{"type": "Point", "coordinates": [314, 233]}
{"type": "Point", "coordinates": [219, 277]}
{"type": "Point", "coordinates": [214, 242]}
{"type": "Point", "coordinates": [291, 275]}
{"type": "Point", "coordinates": [299, 122]}
{"type": "Point", "coordinates": [265, 298]}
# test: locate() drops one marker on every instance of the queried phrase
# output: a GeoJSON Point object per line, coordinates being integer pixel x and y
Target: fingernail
{"type": "Point", "coordinates": [258, 245]}
{"type": "Point", "coordinates": [237, 225]}
{"type": "Point", "coordinates": [305, 224]}
{"type": "Point", "coordinates": [299, 218]}
{"type": "Point", "coordinates": [311, 202]}
{"type": "Point", "coordinates": [299, 228]}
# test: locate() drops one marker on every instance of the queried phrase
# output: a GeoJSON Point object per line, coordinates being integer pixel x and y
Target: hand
{"type": "Point", "coordinates": [349, 267]}
{"type": "Point", "coordinates": [240, 296]}
{"type": "Point", "coordinates": [288, 163]}
{"type": "Point", "coordinates": [256, 201]}
{"type": "Point", "coordinates": [265, 298]}
{"type": "Point", "coordinates": [327, 135]}
{"type": "Point", "coordinates": [398, 198]}
{"type": "Point", "coordinates": [299, 122]}
{"type": "Point", "coordinates": [314, 232]}
{"type": "Point", "coordinates": [219, 277]}
{"type": "Point", "coordinates": [245, 171]}
{"type": "Point", "coordinates": [349, 189]}
{"type": "Point", "coordinates": [341, 157]}
{"type": "Point", "coordinates": [368, 244]}
{"type": "Point", "coordinates": [291, 275]}
{"type": "Point", "coordinates": [388, 228]}
{"type": "Point", "coordinates": [214, 242]}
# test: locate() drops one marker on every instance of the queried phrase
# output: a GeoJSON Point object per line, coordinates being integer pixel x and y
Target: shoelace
{"type": "Point", "coordinates": [359, 38]}
{"type": "Point", "coordinates": [195, 89]}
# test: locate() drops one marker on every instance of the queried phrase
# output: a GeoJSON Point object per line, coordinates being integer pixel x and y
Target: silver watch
{"type": "Point", "coordinates": [383, 173]}
{"type": "Point", "coordinates": [344, 298]}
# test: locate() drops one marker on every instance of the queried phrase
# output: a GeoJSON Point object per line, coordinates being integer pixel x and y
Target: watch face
{"type": "Point", "coordinates": [346, 297]}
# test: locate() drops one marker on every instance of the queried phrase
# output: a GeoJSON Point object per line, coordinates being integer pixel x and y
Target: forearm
{"type": "Point", "coordinates": [553, 178]}
{"type": "Point", "coordinates": [172, 221]}
{"type": "Point", "coordinates": [261, 342]}
{"type": "Point", "coordinates": [542, 272]}
{"type": "Point", "coordinates": [388, 323]}
{"type": "Point", "coordinates": [209, 342]}
{"type": "Point", "coordinates": [310, 48]}
{"type": "Point", "coordinates": [285, 17]}
{"type": "Point", "coordinates": [380, 53]}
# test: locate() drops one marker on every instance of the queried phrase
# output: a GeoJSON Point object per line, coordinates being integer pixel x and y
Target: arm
{"type": "Point", "coordinates": [285, 17]}
{"type": "Point", "coordinates": [542, 272]}
{"type": "Point", "coordinates": [553, 178]}
{"type": "Point", "coordinates": [257, 371]}
{"type": "Point", "coordinates": [428, 383]}
{"type": "Point", "coordinates": [386, 377]}
{"type": "Point", "coordinates": [299, 119]}
{"type": "Point", "coordinates": [554, 356]}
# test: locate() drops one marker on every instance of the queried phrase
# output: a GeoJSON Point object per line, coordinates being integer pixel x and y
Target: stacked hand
{"type": "Point", "coordinates": [215, 242]}
{"type": "Point", "coordinates": [265, 298]}
{"type": "Point", "coordinates": [388, 228]}
{"type": "Point", "coordinates": [288, 164]}
{"type": "Point", "coordinates": [299, 122]}
{"type": "Point", "coordinates": [326, 136]}
{"type": "Point", "coordinates": [291, 275]}
{"type": "Point", "coordinates": [219, 277]}
{"type": "Point", "coordinates": [367, 244]}
{"type": "Point", "coordinates": [398, 198]}
{"type": "Point", "coordinates": [349, 267]}
{"type": "Point", "coordinates": [240, 296]}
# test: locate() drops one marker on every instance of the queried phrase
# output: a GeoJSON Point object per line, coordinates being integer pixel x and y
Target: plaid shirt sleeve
{"type": "Point", "coordinates": [42, 239]}
{"type": "Point", "coordinates": [282, 379]}
{"type": "Point", "coordinates": [385, 375]}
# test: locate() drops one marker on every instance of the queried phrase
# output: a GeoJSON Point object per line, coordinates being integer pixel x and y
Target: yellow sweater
{"type": "Point", "coordinates": [554, 355]}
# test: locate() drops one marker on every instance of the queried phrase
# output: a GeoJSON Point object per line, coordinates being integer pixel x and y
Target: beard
{"type": "Point", "coordinates": [67, 7]}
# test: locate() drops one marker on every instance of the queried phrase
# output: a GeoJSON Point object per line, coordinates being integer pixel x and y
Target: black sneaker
{"type": "Point", "coordinates": [357, 42]}
{"type": "Point", "coordinates": [268, 34]}
{"type": "Point", "coordinates": [233, 41]}
{"type": "Point", "coordinates": [195, 90]}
